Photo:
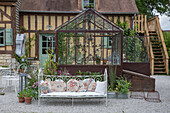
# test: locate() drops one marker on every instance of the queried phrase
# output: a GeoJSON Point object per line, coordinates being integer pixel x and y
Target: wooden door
{"type": "Point", "coordinates": [46, 42]}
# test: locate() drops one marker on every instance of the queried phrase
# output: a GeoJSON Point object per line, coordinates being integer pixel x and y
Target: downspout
{"type": "Point", "coordinates": [133, 20]}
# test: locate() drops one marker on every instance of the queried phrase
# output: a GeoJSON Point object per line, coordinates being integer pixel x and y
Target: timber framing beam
{"type": "Point", "coordinates": [4, 13]}
{"type": "Point", "coordinates": [7, 4]}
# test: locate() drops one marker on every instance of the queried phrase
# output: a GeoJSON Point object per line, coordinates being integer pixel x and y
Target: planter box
{"type": "Point", "coordinates": [122, 96]}
{"type": "Point", "coordinates": [111, 95]}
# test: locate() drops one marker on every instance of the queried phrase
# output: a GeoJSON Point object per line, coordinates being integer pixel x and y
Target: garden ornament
{"type": "Point", "coordinates": [20, 44]}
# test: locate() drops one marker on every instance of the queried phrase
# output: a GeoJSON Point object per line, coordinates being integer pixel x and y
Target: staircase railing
{"type": "Point", "coordinates": [149, 47]}
{"type": "Point", "coordinates": [139, 23]}
{"type": "Point", "coordinates": [161, 39]}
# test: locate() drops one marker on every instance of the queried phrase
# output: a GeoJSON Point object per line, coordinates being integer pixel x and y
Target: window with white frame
{"type": "Point", "coordinates": [2, 37]}
{"type": "Point", "coordinates": [88, 4]}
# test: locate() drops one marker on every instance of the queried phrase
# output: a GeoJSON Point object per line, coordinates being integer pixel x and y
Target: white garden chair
{"type": "Point", "coordinates": [12, 79]}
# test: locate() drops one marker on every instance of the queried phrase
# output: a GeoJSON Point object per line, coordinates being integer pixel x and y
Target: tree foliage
{"type": "Point", "coordinates": [148, 6]}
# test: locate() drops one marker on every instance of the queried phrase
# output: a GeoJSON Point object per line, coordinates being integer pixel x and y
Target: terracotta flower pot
{"type": "Point", "coordinates": [28, 100]}
{"type": "Point", "coordinates": [105, 61]}
{"type": "Point", "coordinates": [21, 99]}
{"type": "Point", "coordinates": [21, 71]}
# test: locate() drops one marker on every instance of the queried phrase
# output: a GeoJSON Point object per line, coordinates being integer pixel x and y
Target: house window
{"type": "Point", "coordinates": [2, 37]}
{"type": "Point", "coordinates": [107, 42]}
{"type": "Point", "coordinates": [88, 4]}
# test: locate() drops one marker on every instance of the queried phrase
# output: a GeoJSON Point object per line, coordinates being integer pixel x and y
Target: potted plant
{"type": "Point", "coordinates": [105, 61]}
{"type": "Point", "coordinates": [21, 97]}
{"type": "Point", "coordinates": [112, 81]}
{"type": "Point", "coordinates": [122, 88]}
{"type": "Point", "coordinates": [98, 59]}
{"type": "Point", "coordinates": [85, 6]}
{"type": "Point", "coordinates": [5, 66]}
{"type": "Point", "coordinates": [91, 6]}
{"type": "Point", "coordinates": [28, 95]}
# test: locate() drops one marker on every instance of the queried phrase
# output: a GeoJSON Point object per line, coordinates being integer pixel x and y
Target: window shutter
{"type": "Point", "coordinates": [105, 42]}
{"type": "Point", "coordinates": [9, 37]}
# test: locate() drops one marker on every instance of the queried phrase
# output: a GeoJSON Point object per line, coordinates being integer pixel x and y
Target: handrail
{"type": "Point", "coordinates": [149, 47]}
{"type": "Point", "coordinates": [139, 23]}
{"type": "Point", "coordinates": [159, 31]}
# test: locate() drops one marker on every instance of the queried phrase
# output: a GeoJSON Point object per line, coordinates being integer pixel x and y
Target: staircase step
{"type": "Point", "coordinates": [154, 45]}
{"type": "Point", "coordinates": [158, 58]}
{"type": "Point", "coordinates": [159, 66]}
{"type": "Point", "coordinates": [157, 52]}
{"type": "Point", "coordinates": [159, 69]}
{"type": "Point", "coordinates": [155, 40]}
{"type": "Point", "coordinates": [152, 31]}
{"type": "Point", "coordinates": [160, 72]}
{"type": "Point", "coordinates": [158, 62]}
{"type": "Point", "coordinates": [152, 34]}
{"type": "Point", "coordinates": [156, 49]}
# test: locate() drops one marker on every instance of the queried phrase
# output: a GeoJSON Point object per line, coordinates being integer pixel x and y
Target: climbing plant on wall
{"type": "Point", "coordinates": [133, 48]}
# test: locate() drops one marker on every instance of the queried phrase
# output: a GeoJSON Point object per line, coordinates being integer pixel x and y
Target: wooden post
{"type": "Point", "coordinates": [142, 22]}
{"type": "Point", "coordinates": [139, 30]}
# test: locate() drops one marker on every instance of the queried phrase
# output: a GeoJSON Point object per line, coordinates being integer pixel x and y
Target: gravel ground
{"type": "Point", "coordinates": [9, 103]}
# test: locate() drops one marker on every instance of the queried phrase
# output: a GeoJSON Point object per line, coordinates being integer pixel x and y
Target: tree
{"type": "Point", "coordinates": [148, 6]}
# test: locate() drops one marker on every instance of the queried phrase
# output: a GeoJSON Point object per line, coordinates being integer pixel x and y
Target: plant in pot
{"type": "Point", "coordinates": [98, 59]}
{"type": "Point", "coordinates": [21, 97]}
{"type": "Point", "coordinates": [122, 87]}
{"type": "Point", "coordinates": [33, 83]}
{"type": "Point", "coordinates": [85, 6]}
{"type": "Point", "coordinates": [28, 95]}
{"type": "Point", "coordinates": [112, 81]}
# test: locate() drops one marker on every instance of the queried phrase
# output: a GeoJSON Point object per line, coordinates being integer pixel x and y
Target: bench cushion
{"type": "Point", "coordinates": [89, 84]}
{"type": "Point", "coordinates": [73, 94]}
{"type": "Point", "coordinates": [45, 86]}
{"type": "Point", "coordinates": [72, 85]}
{"type": "Point", "coordinates": [58, 86]}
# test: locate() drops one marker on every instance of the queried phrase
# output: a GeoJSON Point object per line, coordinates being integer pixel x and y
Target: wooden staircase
{"type": "Point", "coordinates": [159, 64]}
{"type": "Point", "coordinates": [154, 41]}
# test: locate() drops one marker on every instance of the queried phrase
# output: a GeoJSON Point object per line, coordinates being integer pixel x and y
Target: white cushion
{"type": "Point", "coordinates": [101, 87]}
{"type": "Point", "coordinates": [73, 94]}
{"type": "Point", "coordinates": [58, 86]}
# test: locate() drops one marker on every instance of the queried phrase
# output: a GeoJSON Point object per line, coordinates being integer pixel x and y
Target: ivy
{"type": "Point", "coordinates": [133, 49]}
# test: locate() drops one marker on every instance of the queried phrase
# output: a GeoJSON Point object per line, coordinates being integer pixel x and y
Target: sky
{"type": "Point", "coordinates": [164, 21]}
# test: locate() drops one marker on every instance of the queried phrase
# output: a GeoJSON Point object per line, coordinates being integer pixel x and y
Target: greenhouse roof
{"type": "Point", "coordinates": [89, 20]}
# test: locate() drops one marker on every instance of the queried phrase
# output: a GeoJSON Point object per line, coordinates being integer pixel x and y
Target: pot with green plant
{"type": "Point", "coordinates": [112, 82]}
{"type": "Point", "coordinates": [85, 6]}
{"type": "Point", "coordinates": [28, 95]}
{"type": "Point", "coordinates": [21, 97]}
{"type": "Point", "coordinates": [122, 87]}
{"type": "Point", "coordinates": [98, 59]}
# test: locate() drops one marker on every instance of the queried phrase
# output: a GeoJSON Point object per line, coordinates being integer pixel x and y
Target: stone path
{"type": "Point", "coordinates": [9, 103]}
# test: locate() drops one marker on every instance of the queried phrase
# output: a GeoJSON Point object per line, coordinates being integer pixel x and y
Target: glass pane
{"type": "Point", "coordinates": [44, 44]}
{"type": "Point", "coordinates": [91, 1]}
{"type": "Point", "coordinates": [110, 41]}
{"type": "Point", "coordinates": [1, 33]}
{"type": "Point", "coordinates": [1, 40]}
{"type": "Point", "coordinates": [86, 2]}
{"type": "Point", "coordinates": [44, 38]}
{"type": "Point", "coordinates": [49, 44]}
{"type": "Point", "coordinates": [44, 51]}
{"type": "Point", "coordinates": [61, 48]}
{"type": "Point", "coordinates": [54, 44]}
